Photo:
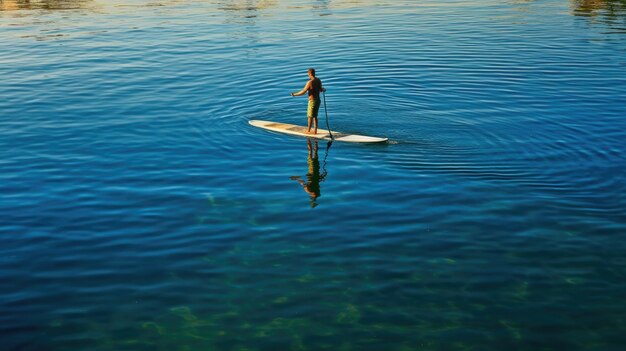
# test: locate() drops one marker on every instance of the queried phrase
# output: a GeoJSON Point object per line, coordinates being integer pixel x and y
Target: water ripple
{"type": "Point", "coordinates": [140, 210]}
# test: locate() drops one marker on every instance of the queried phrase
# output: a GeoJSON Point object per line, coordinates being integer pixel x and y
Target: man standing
{"type": "Point", "coordinates": [313, 87]}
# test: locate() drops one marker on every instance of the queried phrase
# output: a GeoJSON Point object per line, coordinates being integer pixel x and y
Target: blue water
{"type": "Point", "coordinates": [140, 211]}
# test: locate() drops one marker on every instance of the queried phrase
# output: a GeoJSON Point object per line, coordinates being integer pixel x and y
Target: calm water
{"type": "Point", "coordinates": [140, 211]}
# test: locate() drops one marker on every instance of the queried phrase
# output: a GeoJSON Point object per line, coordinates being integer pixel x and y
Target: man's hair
{"type": "Point", "coordinates": [312, 71]}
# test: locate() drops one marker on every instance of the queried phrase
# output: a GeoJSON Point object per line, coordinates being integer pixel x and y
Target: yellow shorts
{"type": "Point", "coordinates": [313, 109]}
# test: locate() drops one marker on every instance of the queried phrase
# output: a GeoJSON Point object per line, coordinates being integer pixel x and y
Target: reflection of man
{"type": "Point", "coordinates": [312, 186]}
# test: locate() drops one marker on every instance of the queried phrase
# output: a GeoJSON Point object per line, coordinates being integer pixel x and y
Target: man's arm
{"type": "Point", "coordinates": [306, 88]}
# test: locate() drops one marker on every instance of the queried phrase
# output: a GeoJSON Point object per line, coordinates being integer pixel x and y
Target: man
{"type": "Point", "coordinates": [313, 87]}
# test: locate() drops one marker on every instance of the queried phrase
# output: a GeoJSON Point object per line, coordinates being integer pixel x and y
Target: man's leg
{"type": "Point", "coordinates": [315, 124]}
{"type": "Point", "coordinates": [310, 113]}
{"type": "Point", "coordinates": [316, 108]}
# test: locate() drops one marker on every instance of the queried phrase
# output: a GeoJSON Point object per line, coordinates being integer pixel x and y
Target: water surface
{"type": "Point", "coordinates": [140, 211]}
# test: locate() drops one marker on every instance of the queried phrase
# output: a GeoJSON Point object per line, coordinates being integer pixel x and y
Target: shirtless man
{"type": "Point", "coordinates": [313, 87]}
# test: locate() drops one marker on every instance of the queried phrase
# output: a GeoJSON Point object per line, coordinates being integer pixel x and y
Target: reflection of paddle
{"type": "Point", "coordinates": [324, 171]}
{"type": "Point", "coordinates": [327, 125]}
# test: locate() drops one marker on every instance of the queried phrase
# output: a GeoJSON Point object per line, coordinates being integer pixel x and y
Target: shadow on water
{"type": "Point", "coordinates": [10, 5]}
{"type": "Point", "coordinates": [247, 5]}
{"type": "Point", "coordinates": [313, 177]}
{"type": "Point", "coordinates": [609, 11]}
{"type": "Point", "coordinates": [245, 13]}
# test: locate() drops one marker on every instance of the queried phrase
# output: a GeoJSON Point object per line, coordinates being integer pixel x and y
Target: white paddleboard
{"type": "Point", "coordinates": [321, 133]}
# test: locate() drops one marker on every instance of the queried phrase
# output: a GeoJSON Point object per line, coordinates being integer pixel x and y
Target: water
{"type": "Point", "coordinates": [140, 211]}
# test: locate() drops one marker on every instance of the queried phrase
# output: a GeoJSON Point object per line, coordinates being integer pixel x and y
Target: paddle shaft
{"type": "Point", "coordinates": [326, 112]}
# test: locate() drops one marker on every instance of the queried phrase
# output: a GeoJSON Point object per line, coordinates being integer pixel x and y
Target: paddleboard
{"type": "Point", "coordinates": [321, 133]}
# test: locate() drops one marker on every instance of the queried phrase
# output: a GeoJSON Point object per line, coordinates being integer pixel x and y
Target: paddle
{"type": "Point", "coordinates": [326, 112]}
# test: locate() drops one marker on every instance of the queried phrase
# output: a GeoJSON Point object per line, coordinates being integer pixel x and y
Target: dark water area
{"type": "Point", "coordinates": [140, 211]}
